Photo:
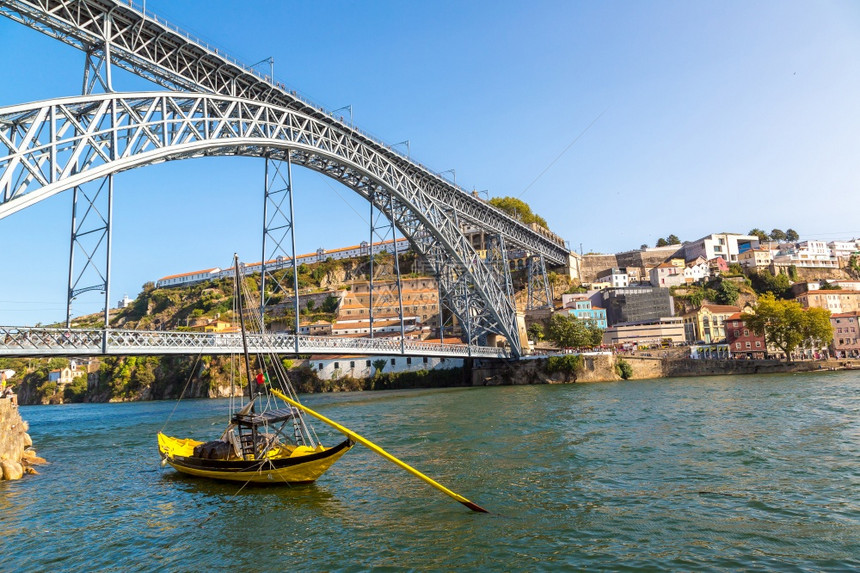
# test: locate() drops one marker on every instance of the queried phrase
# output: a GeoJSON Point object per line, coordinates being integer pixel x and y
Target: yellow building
{"type": "Point", "coordinates": [708, 322]}
{"type": "Point", "coordinates": [420, 300]}
{"type": "Point", "coordinates": [755, 258]}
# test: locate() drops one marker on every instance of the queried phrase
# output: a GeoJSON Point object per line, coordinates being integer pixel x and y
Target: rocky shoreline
{"type": "Point", "coordinates": [17, 456]}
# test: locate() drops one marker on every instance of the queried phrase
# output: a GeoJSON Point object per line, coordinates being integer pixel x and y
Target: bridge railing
{"type": "Point", "coordinates": [27, 341]}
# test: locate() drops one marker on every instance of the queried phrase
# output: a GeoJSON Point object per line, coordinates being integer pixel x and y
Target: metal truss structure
{"type": "Point", "coordinates": [48, 147]}
{"type": "Point", "coordinates": [154, 49]}
{"type": "Point", "coordinates": [22, 342]}
{"type": "Point", "coordinates": [539, 291]}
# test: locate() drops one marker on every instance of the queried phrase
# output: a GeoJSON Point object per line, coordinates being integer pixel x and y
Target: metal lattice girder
{"type": "Point", "coordinates": [540, 294]}
{"type": "Point", "coordinates": [17, 341]}
{"type": "Point", "coordinates": [156, 50]}
{"type": "Point", "coordinates": [497, 259]}
{"type": "Point", "coordinates": [279, 236]}
{"type": "Point", "coordinates": [51, 146]}
{"type": "Point", "coordinates": [385, 287]}
{"type": "Point", "coordinates": [92, 204]}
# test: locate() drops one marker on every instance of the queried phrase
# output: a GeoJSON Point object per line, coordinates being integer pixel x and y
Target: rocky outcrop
{"type": "Point", "coordinates": [16, 455]}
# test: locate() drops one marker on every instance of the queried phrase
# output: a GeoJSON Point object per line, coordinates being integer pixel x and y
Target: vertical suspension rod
{"type": "Point", "coordinates": [293, 239]}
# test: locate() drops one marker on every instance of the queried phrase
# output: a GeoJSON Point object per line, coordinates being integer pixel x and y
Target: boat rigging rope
{"type": "Point", "coordinates": [182, 394]}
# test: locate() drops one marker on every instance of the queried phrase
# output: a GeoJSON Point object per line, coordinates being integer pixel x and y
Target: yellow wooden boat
{"type": "Point", "coordinates": [264, 442]}
{"type": "Point", "coordinates": [274, 445]}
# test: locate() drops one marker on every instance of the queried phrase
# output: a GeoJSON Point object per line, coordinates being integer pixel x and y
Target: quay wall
{"type": "Point", "coordinates": [601, 368]}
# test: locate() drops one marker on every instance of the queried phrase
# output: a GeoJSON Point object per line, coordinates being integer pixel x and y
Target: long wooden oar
{"type": "Point", "coordinates": [349, 433]}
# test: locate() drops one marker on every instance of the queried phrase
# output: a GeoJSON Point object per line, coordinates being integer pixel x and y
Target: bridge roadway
{"type": "Point", "coordinates": [16, 342]}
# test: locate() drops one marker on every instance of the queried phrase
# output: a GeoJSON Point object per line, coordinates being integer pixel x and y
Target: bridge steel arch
{"type": "Point", "coordinates": [48, 147]}
{"type": "Point", "coordinates": [160, 52]}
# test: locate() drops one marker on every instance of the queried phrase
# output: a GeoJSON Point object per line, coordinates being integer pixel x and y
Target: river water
{"type": "Point", "coordinates": [717, 473]}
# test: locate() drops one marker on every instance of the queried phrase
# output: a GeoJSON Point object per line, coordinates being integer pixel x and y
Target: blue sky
{"type": "Point", "coordinates": [618, 122]}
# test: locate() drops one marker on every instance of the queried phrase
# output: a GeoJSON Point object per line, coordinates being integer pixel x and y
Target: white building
{"type": "Point", "coordinates": [667, 275]}
{"type": "Point", "coordinates": [843, 248]}
{"type": "Point", "coordinates": [696, 270]}
{"type": "Point", "coordinates": [807, 254]}
{"type": "Point", "coordinates": [328, 367]}
{"type": "Point", "coordinates": [725, 245]}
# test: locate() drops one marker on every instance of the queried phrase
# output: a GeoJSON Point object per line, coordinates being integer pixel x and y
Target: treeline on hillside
{"type": "Point", "coordinates": [171, 377]}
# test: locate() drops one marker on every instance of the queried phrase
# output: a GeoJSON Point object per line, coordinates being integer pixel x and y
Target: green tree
{"type": "Point", "coordinates": [777, 235]}
{"type": "Point", "coordinates": [786, 325]}
{"type": "Point", "coordinates": [595, 335]}
{"type": "Point", "coordinates": [519, 209]}
{"type": "Point", "coordinates": [330, 304]}
{"type": "Point", "coordinates": [762, 236]}
{"type": "Point", "coordinates": [661, 242]}
{"type": "Point", "coordinates": [567, 331]}
{"type": "Point", "coordinates": [535, 331]}
{"type": "Point", "coordinates": [673, 240]}
{"type": "Point", "coordinates": [379, 365]}
{"type": "Point", "coordinates": [727, 293]}
{"type": "Point", "coordinates": [791, 235]}
{"type": "Point", "coordinates": [765, 281]}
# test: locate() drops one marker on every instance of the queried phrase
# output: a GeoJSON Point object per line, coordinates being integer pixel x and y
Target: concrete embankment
{"type": "Point", "coordinates": [601, 368]}
{"type": "Point", "coordinates": [16, 454]}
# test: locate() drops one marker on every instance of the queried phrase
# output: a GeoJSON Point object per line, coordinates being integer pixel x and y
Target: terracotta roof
{"type": "Point", "coordinates": [206, 271]}
{"type": "Point", "coordinates": [852, 314]}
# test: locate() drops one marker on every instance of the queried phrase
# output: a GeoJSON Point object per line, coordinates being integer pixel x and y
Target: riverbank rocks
{"type": "Point", "coordinates": [12, 470]}
{"type": "Point", "coordinates": [16, 457]}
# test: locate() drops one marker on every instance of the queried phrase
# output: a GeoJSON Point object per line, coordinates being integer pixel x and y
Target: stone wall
{"type": "Point", "coordinates": [601, 368]}
{"type": "Point", "coordinates": [592, 265]}
{"type": "Point", "coordinates": [16, 457]}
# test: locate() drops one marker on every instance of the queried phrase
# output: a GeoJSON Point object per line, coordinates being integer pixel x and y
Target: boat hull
{"type": "Point", "coordinates": [296, 469]}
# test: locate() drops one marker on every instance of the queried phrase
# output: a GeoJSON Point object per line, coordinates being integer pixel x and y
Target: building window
{"type": "Point", "coordinates": [409, 360]}
{"type": "Point", "coordinates": [336, 365]}
{"type": "Point", "coordinates": [367, 363]}
{"type": "Point", "coordinates": [393, 361]}
{"type": "Point", "coordinates": [748, 345]}
{"type": "Point", "coordinates": [758, 343]}
{"type": "Point", "coordinates": [351, 364]}
{"type": "Point", "coordinates": [321, 365]}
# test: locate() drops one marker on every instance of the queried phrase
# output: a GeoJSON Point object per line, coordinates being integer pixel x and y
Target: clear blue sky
{"type": "Point", "coordinates": [691, 118]}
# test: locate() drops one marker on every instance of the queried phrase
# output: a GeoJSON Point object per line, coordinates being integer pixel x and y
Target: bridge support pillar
{"type": "Point", "coordinates": [279, 238]}
{"type": "Point", "coordinates": [539, 291]}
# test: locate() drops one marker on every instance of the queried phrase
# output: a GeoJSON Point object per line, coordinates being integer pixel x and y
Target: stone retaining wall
{"type": "Point", "coordinates": [601, 368]}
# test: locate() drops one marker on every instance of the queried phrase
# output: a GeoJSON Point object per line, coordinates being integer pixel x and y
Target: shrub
{"type": "Point", "coordinates": [623, 369]}
{"type": "Point", "coordinates": [568, 364]}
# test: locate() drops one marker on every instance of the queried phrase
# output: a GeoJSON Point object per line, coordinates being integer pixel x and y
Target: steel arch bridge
{"type": "Point", "coordinates": [227, 109]}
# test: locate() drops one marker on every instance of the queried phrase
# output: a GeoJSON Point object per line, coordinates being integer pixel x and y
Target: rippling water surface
{"type": "Point", "coordinates": [753, 473]}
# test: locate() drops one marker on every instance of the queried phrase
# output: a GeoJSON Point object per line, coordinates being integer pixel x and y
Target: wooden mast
{"type": "Point", "coordinates": [242, 327]}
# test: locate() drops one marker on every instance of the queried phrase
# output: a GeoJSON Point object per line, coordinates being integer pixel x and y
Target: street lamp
{"type": "Point", "coordinates": [271, 61]}
{"type": "Point", "coordinates": [404, 142]}
{"type": "Point", "coordinates": [346, 107]}
{"type": "Point", "coordinates": [453, 172]}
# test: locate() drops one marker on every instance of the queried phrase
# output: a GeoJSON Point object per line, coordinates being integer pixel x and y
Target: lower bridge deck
{"type": "Point", "coordinates": [26, 341]}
